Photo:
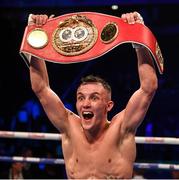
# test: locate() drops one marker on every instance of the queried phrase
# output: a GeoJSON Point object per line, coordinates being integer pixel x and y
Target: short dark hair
{"type": "Point", "coordinates": [95, 79]}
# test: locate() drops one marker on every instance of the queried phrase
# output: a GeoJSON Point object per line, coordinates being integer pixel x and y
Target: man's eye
{"type": "Point", "coordinates": [94, 98]}
{"type": "Point", "coordinates": [80, 98]}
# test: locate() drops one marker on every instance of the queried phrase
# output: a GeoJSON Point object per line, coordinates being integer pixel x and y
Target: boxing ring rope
{"type": "Point", "coordinates": [30, 135]}
{"type": "Point", "coordinates": [53, 136]}
{"type": "Point", "coordinates": [61, 161]}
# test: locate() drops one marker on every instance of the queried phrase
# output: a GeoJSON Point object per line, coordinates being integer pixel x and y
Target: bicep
{"type": "Point", "coordinates": [136, 109]}
{"type": "Point", "coordinates": [54, 108]}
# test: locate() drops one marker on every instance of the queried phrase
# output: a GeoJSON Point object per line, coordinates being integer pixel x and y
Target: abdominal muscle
{"type": "Point", "coordinates": [99, 167]}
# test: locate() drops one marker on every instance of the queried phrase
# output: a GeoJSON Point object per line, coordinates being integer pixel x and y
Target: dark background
{"type": "Point", "coordinates": [20, 109]}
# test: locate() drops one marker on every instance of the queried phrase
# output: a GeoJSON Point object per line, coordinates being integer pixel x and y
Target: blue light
{"type": "Point", "coordinates": [59, 150]}
{"type": "Point", "coordinates": [28, 106]}
{"type": "Point", "coordinates": [35, 111]}
{"type": "Point", "coordinates": [22, 116]}
{"type": "Point", "coordinates": [41, 166]}
{"type": "Point", "coordinates": [149, 129]}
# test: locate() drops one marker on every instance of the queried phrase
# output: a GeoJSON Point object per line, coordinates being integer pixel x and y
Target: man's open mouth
{"type": "Point", "coordinates": [87, 115]}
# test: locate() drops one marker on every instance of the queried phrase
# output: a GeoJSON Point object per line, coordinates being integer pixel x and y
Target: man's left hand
{"type": "Point", "coordinates": [132, 18]}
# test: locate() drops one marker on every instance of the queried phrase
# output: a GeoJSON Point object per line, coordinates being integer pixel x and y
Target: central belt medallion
{"type": "Point", "coordinates": [74, 36]}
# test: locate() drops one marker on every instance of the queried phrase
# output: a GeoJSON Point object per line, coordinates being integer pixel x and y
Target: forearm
{"type": "Point", "coordinates": [38, 74]}
{"type": "Point", "coordinates": [146, 70]}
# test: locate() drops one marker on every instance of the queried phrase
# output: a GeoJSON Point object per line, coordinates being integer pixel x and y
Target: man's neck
{"type": "Point", "coordinates": [94, 134]}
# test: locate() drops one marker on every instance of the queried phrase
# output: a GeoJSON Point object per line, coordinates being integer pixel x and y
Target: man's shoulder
{"type": "Point", "coordinates": [118, 117]}
{"type": "Point", "coordinates": [73, 117]}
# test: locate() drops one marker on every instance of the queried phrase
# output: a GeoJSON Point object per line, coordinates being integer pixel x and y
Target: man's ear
{"type": "Point", "coordinates": [110, 105]}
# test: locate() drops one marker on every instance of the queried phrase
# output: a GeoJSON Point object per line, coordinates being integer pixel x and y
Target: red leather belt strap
{"type": "Point", "coordinates": [127, 33]}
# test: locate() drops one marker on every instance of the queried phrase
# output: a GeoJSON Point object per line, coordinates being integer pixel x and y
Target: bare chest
{"type": "Point", "coordinates": [100, 159]}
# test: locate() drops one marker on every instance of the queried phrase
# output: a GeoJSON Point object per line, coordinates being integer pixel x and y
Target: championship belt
{"type": "Point", "coordinates": [79, 37]}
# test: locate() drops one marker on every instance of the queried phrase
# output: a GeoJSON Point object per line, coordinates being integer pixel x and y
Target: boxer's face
{"type": "Point", "coordinates": [92, 104]}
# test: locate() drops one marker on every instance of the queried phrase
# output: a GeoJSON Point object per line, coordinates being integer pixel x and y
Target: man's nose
{"type": "Point", "coordinates": [86, 103]}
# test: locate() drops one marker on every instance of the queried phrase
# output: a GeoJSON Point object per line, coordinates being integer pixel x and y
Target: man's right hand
{"type": "Point", "coordinates": [38, 19]}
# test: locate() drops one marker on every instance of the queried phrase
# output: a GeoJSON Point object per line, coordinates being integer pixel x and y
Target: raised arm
{"type": "Point", "coordinates": [51, 103]}
{"type": "Point", "coordinates": [138, 104]}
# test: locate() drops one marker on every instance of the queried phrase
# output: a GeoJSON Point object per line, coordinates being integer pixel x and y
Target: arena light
{"type": "Point", "coordinates": [114, 7]}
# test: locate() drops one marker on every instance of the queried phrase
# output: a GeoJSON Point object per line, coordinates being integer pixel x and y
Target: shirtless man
{"type": "Point", "coordinates": [93, 147]}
